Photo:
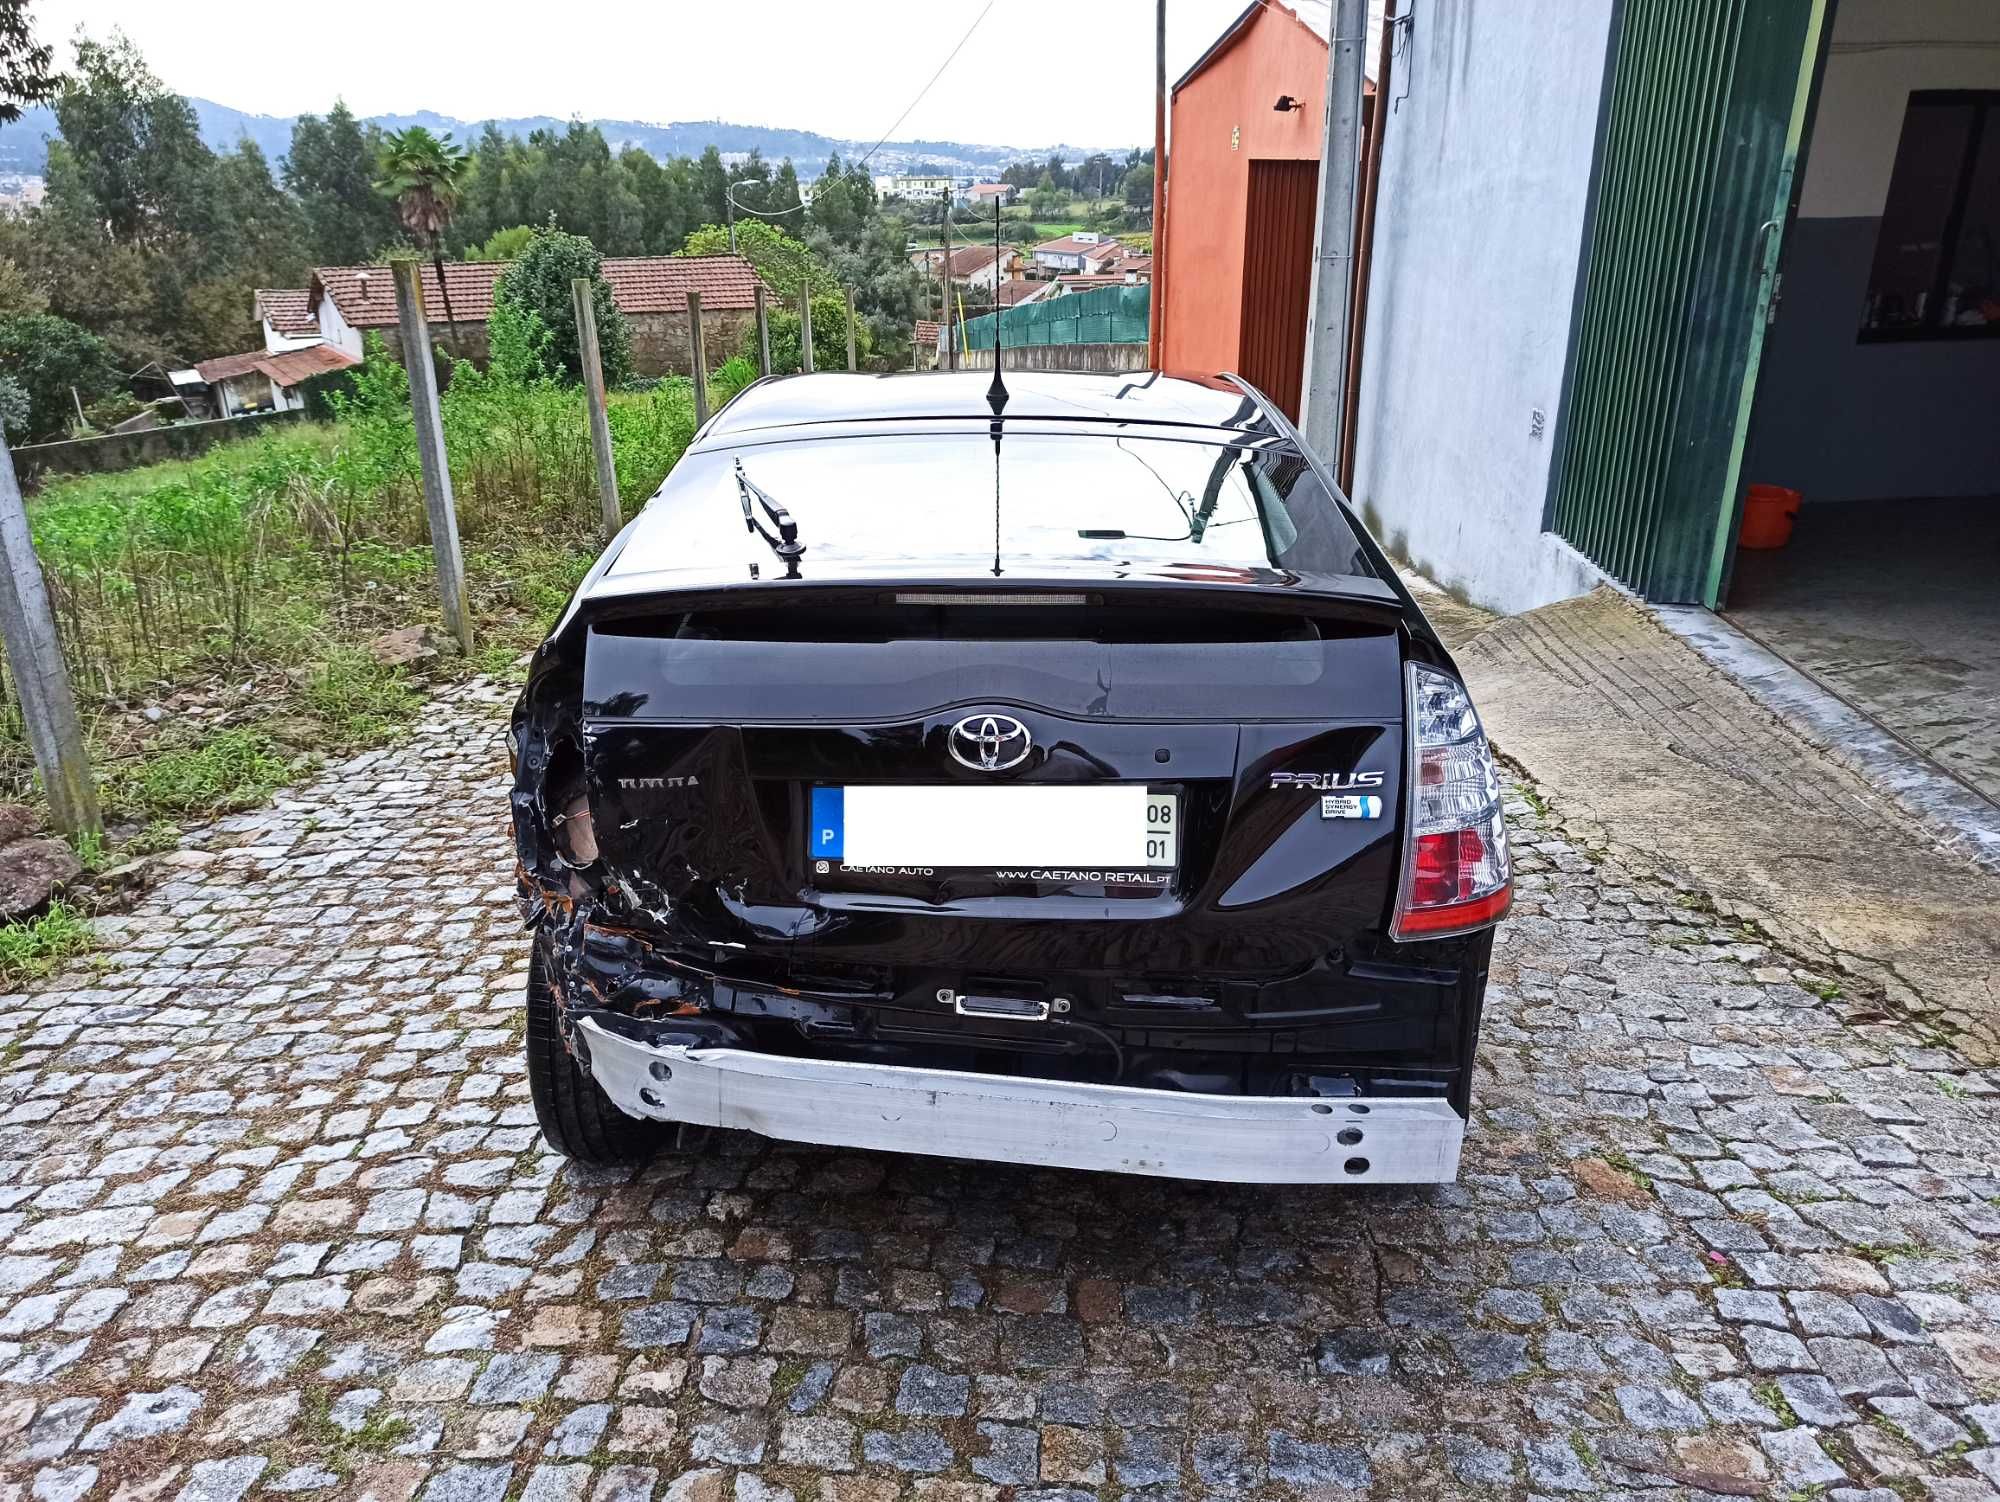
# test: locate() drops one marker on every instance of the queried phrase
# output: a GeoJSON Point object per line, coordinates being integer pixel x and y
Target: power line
{"type": "Point", "coordinates": [928, 86]}
{"type": "Point", "coordinates": [729, 192]}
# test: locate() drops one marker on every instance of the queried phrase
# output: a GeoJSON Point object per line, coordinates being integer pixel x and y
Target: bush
{"type": "Point", "coordinates": [829, 337]}
{"type": "Point", "coordinates": [539, 281]}
{"type": "Point", "coordinates": [107, 412]}
{"type": "Point", "coordinates": [734, 374]}
{"type": "Point", "coordinates": [15, 409]}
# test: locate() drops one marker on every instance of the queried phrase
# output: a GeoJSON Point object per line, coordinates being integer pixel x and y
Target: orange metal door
{"type": "Point", "coordinates": [1277, 278]}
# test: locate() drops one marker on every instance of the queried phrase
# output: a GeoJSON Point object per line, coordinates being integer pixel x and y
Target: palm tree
{"type": "Point", "coordinates": [425, 174]}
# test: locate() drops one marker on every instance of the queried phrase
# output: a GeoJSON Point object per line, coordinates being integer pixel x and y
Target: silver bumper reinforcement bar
{"type": "Point", "coordinates": [1117, 1128]}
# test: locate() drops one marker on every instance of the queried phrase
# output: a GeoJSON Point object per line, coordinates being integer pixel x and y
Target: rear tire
{"type": "Point", "coordinates": [576, 1115]}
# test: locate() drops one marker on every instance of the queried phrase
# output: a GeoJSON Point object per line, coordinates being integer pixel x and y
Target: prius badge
{"type": "Point", "coordinates": [1340, 795]}
{"type": "Point", "coordinates": [989, 742]}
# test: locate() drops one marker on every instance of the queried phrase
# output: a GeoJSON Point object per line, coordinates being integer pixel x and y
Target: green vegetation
{"type": "Point", "coordinates": [33, 949]}
{"type": "Point", "coordinates": [252, 578]}
{"type": "Point", "coordinates": [233, 769]}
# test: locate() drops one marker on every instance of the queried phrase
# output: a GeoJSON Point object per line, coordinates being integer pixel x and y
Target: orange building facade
{"type": "Point", "coordinates": [1241, 200]}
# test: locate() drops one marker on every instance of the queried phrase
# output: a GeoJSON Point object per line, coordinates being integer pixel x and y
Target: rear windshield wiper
{"type": "Point", "coordinates": [785, 542]}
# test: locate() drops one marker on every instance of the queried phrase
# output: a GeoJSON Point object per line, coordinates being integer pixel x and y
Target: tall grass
{"type": "Point", "coordinates": [288, 550]}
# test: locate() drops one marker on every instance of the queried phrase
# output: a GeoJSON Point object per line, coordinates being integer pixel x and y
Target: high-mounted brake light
{"type": "Point", "coordinates": [1456, 873]}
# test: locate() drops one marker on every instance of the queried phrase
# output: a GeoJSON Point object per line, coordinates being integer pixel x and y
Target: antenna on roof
{"type": "Point", "coordinates": [996, 393]}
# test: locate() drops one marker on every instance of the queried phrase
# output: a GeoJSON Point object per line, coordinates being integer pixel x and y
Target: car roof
{"type": "Point", "coordinates": [842, 398]}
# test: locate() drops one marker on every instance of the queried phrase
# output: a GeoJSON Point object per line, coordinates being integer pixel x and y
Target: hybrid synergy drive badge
{"type": "Point", "coordinates": [1349, 806]}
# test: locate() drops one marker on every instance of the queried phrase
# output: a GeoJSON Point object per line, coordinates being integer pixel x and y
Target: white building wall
{"type": "Point", "coordinates": [337, 331]}
{"type": "Point", "coordinates": [278, 343]}
{"type": "Point", "coordinates": [1486, 168]}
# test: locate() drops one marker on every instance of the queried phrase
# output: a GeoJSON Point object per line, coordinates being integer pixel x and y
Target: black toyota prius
{"type": "Point", "coordinates": [1050, 771]}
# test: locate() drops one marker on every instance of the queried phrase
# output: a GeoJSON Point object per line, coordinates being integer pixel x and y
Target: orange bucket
{"type": "Point", "coordinates": [1767, 516]}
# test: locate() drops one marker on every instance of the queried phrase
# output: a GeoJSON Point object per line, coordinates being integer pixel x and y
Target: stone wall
{"type": "Point", "coordinates": [39, 462]}
{"type": "Point", "coordinates": [659, 340]}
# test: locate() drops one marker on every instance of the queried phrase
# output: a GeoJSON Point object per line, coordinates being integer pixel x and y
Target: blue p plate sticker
{"type": "Point", "coordinates": [1350, 806]}
{"type": "Point", "coordinates": [829, 824]}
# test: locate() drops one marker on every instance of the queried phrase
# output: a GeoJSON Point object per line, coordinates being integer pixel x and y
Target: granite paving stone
{"type": "Point", "coordinates": [276, 1220]}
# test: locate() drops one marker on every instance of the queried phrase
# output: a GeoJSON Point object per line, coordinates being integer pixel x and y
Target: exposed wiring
{"type": "Point", "coordinates": [1117, 1053]}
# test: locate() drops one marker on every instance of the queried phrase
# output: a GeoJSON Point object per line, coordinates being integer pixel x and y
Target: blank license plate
{"type": "Point", "coordinates": [1111, 825]}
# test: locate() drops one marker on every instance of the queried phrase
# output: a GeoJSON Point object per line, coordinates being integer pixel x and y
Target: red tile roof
{"type": "Point", "coordinates": [1070, 245]}
{"type": "Point", "coordinates": [1019, 290]}
{"type": "Point", "coordinates": [224, 367]}
{"type": "Point", "coordinates": [287, 369]}
{"type": "Point", "coordinates": [366, 295]}
{"type": "Point", "coordinates": [288, 308]}
{"type": "Point", "coordinates": [296, 365]}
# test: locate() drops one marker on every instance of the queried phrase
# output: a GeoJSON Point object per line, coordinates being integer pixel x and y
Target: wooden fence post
{"type": "Point", "coordinates": [763, 334]}
{"type": "Point", "coordinates": [588, 356]}
{"type": "Point", "coordinates": [698, 354]}
{"type": "Point", "coordinates": [41, 678]}
{"type": "Point", "coordinates": [438, 506]}
{"type": "Point", "coordinates": [850, 329]}
{"type": "Point", "coordinates": [806, 329]}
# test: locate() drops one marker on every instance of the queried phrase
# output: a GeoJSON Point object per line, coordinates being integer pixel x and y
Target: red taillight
{"type": "Point", "coordinates": [1456, 873]}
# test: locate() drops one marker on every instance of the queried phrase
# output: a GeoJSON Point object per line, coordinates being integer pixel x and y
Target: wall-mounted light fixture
{"type": "Point", "coordinates": [1287, 103]}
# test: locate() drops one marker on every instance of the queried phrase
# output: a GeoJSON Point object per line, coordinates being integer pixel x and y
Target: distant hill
{"type": "Point", "coordinates": [23, 148]}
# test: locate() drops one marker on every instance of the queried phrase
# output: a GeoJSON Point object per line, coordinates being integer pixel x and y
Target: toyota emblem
{"type": "Point", "coordinates": [989, 742]}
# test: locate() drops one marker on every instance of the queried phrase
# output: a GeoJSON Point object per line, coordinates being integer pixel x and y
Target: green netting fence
{"type": "Point", "coordinates": [1109, 315]}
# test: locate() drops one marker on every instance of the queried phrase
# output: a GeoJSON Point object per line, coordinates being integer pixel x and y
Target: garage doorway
{"type": "Point", "coordinates": [1277, 278]}
{"type": "Point", "coordinates": [1879, 386]}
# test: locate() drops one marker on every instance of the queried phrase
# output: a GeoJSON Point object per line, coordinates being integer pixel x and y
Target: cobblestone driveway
{"type": "Point", "coordinates": [275, 1218]}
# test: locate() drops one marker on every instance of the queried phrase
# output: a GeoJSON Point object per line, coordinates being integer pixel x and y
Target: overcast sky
{"type": "Point", "coordinates": [1031, 74]}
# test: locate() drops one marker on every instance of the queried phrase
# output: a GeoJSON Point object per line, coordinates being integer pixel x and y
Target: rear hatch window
{"type": "Point", "coordinates": [1026, 498]}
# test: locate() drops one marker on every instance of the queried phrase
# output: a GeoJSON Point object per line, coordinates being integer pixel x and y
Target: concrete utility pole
{"type": "Point", "coordinates": [592, 362]}
{"type": "Point", "coordinates": [944, 295]}
{"type": "Point", "coordinates": [438, 507]}
{"type": "Point", "coordinates": [850, 330]}
{"type": "Point", "coordinates": [41, 678]}
{"type": "Point", "coordinates": [1155, 334]}
{"type": "Point", "coordinates": [698, 353]}
{"type": "Point", "coordinates": [763, 333]}
{"type": "Point", "coordinates": [1333, 241]}
{"type": "Point", "coordinates": [806, 328]}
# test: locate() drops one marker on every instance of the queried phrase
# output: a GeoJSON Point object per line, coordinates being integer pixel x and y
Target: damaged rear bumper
{"type": "Point", "coordinates": [1060, 1124]}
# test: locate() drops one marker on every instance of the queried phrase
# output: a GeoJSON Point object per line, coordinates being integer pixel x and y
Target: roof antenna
{"type": "Point", "coordinates": [996, 393]}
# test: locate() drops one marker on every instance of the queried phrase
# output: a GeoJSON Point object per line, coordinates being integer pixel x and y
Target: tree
{"type": "Point", "coordinates": [503, 244]}
{"type": "Point", "coordinates": [1045, 199]}
{"type": "Point", "coordinates": [711, 182]}
{"type": "Point", "coordinates": [27, 71]}
{"type": "Point", "coordinates": [666, 194]}
{"type": "Point", "coordinates": [133, 150]}
{"type": "Point", "coordinates": [1137, 187]}
{"type": "Point", "coordinates": [48, 357]}
{"type": "Point", "coordinates": [328, 170]}
{"type": "Point", "coordinates": [843, 201]}
{"type": "Point", "coordinates": [425, 175]}
{"type": "Point", "coordinates": [18, 292]}
{"type": "Point", "coordinates": [784, 263]}
{"type": "Point", "coordinates": [539, 282]}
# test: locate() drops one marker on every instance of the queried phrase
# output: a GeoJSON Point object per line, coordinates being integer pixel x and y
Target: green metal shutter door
{"type": "Point", "coordinates": [1700, 141]}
